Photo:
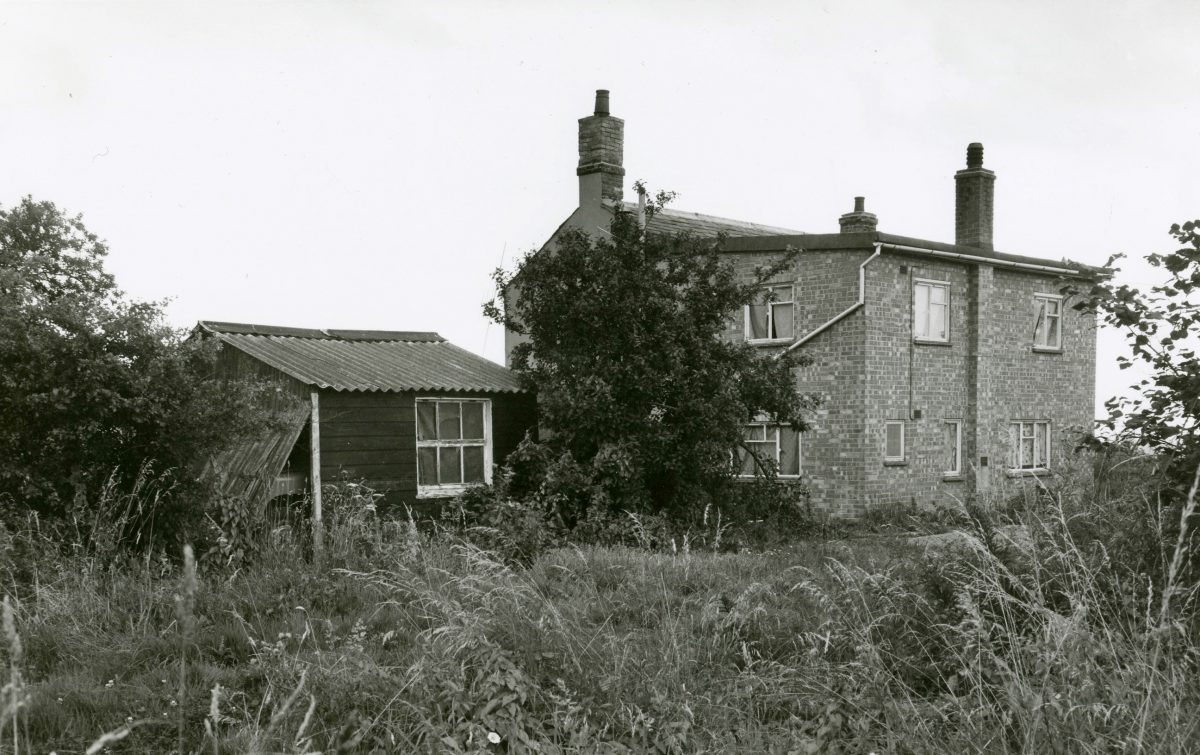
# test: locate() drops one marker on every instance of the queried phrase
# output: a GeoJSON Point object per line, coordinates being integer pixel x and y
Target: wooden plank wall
{"type": "Point", "coordinates": [372, 436]}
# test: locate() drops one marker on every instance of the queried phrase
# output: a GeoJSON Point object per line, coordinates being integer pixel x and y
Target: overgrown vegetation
{"type": "Point", "coordinates": [1031, 631]}
{"type": "Point", "coordinates": [97, 393]}
{"type": "Point", "coordinates": [641, 398]}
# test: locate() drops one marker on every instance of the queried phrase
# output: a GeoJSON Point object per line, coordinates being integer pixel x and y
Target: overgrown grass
{"type": "Point", "coordinates": [417, 641]}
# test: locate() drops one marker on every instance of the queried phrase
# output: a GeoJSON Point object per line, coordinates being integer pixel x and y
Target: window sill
{"type": "Point", "coordinates": [778, 477]}
{"type": "Point", "coordinates": [446, 491]}
{"type": "Point", "coordinates": [930, 342]}
{"type": "Point", "coordinates": [1046, 350]}
{"type": "Point", "coordinates": [895, 463]}
{"type": "Point", "coordinates": [769, 341]}
{"type": "Point", "coordinates": [953, 478]}
{"type": "Point", "coordinates": [1027, 472]}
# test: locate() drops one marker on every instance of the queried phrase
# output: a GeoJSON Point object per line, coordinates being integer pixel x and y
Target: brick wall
{"type": "Point", "coordinates": [869, 370]}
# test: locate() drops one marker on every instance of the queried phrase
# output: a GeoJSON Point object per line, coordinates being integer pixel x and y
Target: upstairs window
{"type": "Point", "coordinates": [931, 311]}
{"type": "Point", "coordinates": [764, 443]}
{"type": "Point", "coordinates": [454, 447]}
{"type": "Point", "coordinates": [1029, 445]}
{"type": "Point", "coordinates": [771, 316]}
{"type": "Point", "coordinates": [1047, 333]}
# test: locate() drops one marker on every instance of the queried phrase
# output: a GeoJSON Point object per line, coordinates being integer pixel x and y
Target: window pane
{"type": "Point", "coordinates": [771, 432]}
{"type": "Point", "coordinates": [789, 451]}
{"type": "Point", "coordinates": [937, 320]}
{"type": "Point", "coordinates": [1052, 331]}
{"type": "Point", "coordinates": [937, 294]}
{"type": "Point", "coordinates": [746, 464]}
{"type": "Point", "coordinates": [921, 311]}
{"type": "Point", "coordinates": [952, 446]}
{"type": "Point", "coordinates": [448, 416]}
{"type": "Point", "coordinates": [783, 321]}
{"type": "Point", "coordinates": [1014, 441]}
{"type": "Point", "coordinates": [427, 465]}
{"type": "Point", "coordinates": [426, 420]}
{"type": "Point", "coordinates": [756, 432]}
{"type": "Point", "coordinates": [1026, 453]}
{"type": "Point", "coordinates": [757, 325]}
{"type": "Point", "coordinates": [894, 448]}
{"type": "Point", "coordinates": [473, 464]}
{"type": "Point", "coordinates": [782, 294]}
{"type": "Point", "coordinates": [450, 462]}
{"type": "Point", "coordinates": [472, 419]}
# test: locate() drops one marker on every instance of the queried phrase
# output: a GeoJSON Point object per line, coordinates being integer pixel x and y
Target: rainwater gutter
{"type": "Point", "coordinates": [862, 298]}
{"type": "Point", "coordinates": [983, 260]}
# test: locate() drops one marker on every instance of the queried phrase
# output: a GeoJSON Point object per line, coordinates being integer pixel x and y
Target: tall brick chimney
{"type": "Point", "coordinates": [859, 221]}
{"type": "Point", "coordinates": [974, 191]}
{"type": "Point", "coordinates": [601, 154]}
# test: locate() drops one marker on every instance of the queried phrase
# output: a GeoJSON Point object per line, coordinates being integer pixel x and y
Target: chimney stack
{"type": "Point", "coordinates": [859, 221]}
{"type": "Point", "coordinates": [974, 192]}
{"type": "Point", "coordinates": [601, 154]}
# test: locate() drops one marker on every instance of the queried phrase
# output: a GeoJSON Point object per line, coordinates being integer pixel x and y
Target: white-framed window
{"type": "Point", "coordinates": [454, 444]}
{"type": "Point", "coordinates": [893, 440]}
{"type": "Point", "coordinates": [771, 316]}
{"type": "Point", "coordinates": [931, 310]}
{"type": "Point", "coordinates": [1047, 333]}
{"type": "Point", "coordinates": [1029, 445]}
{"type": "Point", "coordinates": [953, 445]}
{"type": "Point", "coordinates": [767, 443]}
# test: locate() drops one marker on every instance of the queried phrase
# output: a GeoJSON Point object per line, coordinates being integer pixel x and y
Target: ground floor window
{"type": "Point", "coordinates": [454, 445]}
{"type": "Point", "coordinates": [764, 443]}
{"type": "Point", "coordinates": [953, 445]}
{"type": "Point", "coordinates": [1029, 445]}
{"type": "Point", "coordinates": [893, 441]}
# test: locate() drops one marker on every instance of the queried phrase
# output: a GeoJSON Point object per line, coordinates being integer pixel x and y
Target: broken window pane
{"type": "Point", "coordinates": [426, 420]}
{"type": "Point", "coordinates": [472, 419]}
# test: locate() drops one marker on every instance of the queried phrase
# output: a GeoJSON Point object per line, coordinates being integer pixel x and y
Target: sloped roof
{"type": "Point", "coordinates": [679, 221]}
{"type": "Point", "coordinates": [366, 360]}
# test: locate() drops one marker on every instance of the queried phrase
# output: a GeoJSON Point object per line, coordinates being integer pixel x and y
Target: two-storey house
{"type": "Point", "coordinates": [946, 369]}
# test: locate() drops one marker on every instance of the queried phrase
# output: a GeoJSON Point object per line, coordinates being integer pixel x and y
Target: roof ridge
{"type": "Point", "coordinates": [329, 334]}
{"type": "Point", "coordinates": [671, 212]}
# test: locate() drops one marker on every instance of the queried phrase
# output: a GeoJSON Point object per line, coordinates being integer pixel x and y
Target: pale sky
{"type": "Point", "coordinates": [367, 164]}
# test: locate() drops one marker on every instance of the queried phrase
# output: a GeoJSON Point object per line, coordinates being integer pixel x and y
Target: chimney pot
{"type": "Point", "coordinates": [601, 102]}
{"type": "Point", "coordinates": [859, 221]}
{"type": "Point", "coordinates": [974, 155]}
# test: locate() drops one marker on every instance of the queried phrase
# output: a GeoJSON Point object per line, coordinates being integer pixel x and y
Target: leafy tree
{"type": "Point", "coordinates": [641, 397]}
{"type": "Point", "coordinates": [1161, 326]}
{"type": "Point", "coordinates": [94, 387]}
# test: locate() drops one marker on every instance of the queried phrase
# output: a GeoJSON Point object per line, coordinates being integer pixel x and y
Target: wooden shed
{"type": "Point", "coordinates": [411, 414]}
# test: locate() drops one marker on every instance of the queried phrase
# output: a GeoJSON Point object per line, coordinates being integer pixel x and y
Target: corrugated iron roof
{"type": "Point", "coordinates": [679, 221]}
{"type": "Point", "coordinates": [367, 360]}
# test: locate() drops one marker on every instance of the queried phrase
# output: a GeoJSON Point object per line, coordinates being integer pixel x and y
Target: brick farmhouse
{"type": "Point", "coordinates": [947, 369]}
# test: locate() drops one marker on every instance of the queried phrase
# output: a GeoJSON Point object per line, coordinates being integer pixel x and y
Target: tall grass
{"type": "Point", "coordinates": [1040, 637]}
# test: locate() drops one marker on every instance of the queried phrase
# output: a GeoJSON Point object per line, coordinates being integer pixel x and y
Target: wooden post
{"type": "Point", "coordinates": [314, 442]}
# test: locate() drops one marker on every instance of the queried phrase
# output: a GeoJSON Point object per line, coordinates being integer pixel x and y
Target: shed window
{"type": "Point", "coordinates": [931, 311]}
{"type": "Point", "coordinates": [1047, 333]}
{"type": "Point", "coordinates": [454, 445]}
{"type": "Point", "coordinates": [771, 317]}
{"type": "Point", "coordinates": [765, 443]}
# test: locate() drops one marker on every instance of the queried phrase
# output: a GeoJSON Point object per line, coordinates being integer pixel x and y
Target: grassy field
{"type": "Point", "coordinates": [417, 641]}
